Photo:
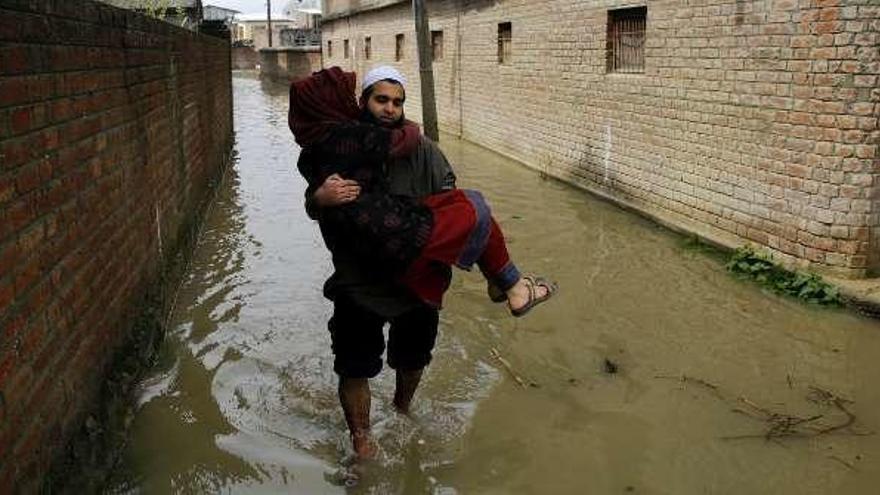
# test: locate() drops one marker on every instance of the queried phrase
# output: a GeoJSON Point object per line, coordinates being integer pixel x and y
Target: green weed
{"type": "Point", "coordinates": [809, 287]}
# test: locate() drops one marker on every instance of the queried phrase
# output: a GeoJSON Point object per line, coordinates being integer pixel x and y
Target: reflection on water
{"type": "Point", "coordinates": [243, 397]}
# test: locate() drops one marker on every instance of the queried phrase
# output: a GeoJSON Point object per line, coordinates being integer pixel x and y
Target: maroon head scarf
{"type": "Point", "coordinates": [326, 99]}
{"type": "Point", "coordinates": [320, 101]}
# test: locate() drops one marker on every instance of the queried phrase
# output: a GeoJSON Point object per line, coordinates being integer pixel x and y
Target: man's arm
{"type": "Point", "coordinates": [334, 191]}
{"type": "Point", "coordinates": [311, 205]}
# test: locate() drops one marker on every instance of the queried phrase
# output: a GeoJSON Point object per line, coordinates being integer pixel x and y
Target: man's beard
{"type": "Point", "coordinates": [367, 116]}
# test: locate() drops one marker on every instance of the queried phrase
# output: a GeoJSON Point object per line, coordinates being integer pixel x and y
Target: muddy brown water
{"type": "Point", "coordinates": [243, 397]}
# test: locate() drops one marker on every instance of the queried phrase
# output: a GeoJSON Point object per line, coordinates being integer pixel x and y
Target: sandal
{"type": "Point", "coordinates": [534, 300]}
{"type": "Point", "coordinates": [496, 295]}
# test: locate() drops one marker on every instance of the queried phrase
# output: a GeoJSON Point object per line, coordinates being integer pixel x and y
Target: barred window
{"type": "Point", "coordinates": [329, 48]}
{"type": "Point", "coordinates": [625, 45]}
{"type": "Point", "coordinates": [398, 47]}
{"type": "Point", "coordinates": [345, 48]}
{"type": "Point", "coordinates": [368, 47]}
{"type": "Point", "coordinates": [505, 39]}
{"type": "Point", "coordinates": [437, 45]}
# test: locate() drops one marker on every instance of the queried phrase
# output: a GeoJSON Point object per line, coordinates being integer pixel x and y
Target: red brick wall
{"type": "Point", "coordinates": [111, 127]}
{"type": "Point", "coordinates": [754, 121]}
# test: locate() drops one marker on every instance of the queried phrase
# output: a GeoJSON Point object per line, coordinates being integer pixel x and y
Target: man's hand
{"type": "Point", "coordinates": [336, 191]}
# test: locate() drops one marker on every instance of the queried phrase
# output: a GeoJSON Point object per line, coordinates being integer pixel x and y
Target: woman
{"type": "Point", "coordinates": [406, 236]}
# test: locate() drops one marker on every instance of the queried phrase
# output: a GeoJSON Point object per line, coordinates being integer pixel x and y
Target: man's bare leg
{"type": "Point", "coordinates": [405, 387]}
{"type": "Point", "coordinates": [354, 395]}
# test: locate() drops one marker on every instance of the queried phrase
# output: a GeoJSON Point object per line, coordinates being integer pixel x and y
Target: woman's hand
{"type": "Point", "coordinates": [336, 191]}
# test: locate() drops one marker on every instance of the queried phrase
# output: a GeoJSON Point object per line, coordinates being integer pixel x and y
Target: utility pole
{"type": "Point", "coordinates": [269, 20]}
{"type": "Point", "coordinates": [426, 71]}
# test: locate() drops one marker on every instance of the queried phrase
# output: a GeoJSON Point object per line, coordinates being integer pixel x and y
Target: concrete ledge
{"type": "Point", "coordinates": [244, 58]}
{"type": "Point", "coordinates": [861, 295]}
{"type": "Point", "coordinates": [289, 63]}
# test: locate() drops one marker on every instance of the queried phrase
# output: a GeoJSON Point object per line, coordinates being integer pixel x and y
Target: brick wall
{"type": "Point", "coordinates": [111, 127]}
{"type": "Point", "coordinates": [754, 121]}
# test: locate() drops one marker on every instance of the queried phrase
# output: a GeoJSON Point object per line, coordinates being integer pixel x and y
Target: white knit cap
{"type": "Point", "coordinates": [380, 73]}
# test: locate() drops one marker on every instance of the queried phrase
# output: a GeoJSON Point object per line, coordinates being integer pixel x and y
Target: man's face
{"type": "Point", "coordinates": [386, 102]}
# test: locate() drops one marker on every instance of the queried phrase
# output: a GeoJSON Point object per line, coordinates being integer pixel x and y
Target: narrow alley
{"type": "Point", "coordinates": [243, 398]}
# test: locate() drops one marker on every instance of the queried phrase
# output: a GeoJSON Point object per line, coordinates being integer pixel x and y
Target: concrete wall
{"type": "Point", "coordinates": [289, 64]}
{"type": "Point", "coordinates": [112, 125]}
{"type": "Point", "coordinates": [245, 57]}
{"type": "Point", "coordinates": [755, 120]}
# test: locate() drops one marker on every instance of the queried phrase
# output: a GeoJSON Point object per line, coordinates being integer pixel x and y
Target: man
{"type": "Point", "coordinates": [365, 298]}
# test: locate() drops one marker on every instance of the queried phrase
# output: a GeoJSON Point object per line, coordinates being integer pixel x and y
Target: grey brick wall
{"type": "Point", "coordinates": [754, 121]}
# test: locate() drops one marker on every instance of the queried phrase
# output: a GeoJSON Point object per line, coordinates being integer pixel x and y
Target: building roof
{"type": "Point", "coordinates": [337, 9]}
{"type": "Point", "coordinates": [140, 4]}
{"type": "Point", "coordinates": [217, 7]}
{"type": "Point", "coordinates": [261, 17]}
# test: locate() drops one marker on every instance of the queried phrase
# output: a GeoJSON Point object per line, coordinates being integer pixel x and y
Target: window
{"type": "Point", "coordinates": [345, 48]}
{"type": "Point", "coordinates": [398, 47]}
{"type": "Point", "coordinates": [505, 38]}
{"type": "Point", "coordinates": [437, 45]}
{"type": "Point", "coordinates": [329, 48]}
{"type": "Point", "coordinates": [625, 44]}
{"type": "Point", "coordinates": [368, 47]}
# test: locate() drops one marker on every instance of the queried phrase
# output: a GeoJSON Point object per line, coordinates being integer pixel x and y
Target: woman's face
{"type": "Point", "coordinates": [386, 102]}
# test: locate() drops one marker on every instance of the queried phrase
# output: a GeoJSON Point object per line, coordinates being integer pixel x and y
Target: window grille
{"type": "Point", "coordinates": [368, 47]}
{"type": "Point", "coordinates": [626, 40]}
{"type": "Point", "coordinates": [437, 45]}
{"type": "Point", "coordinates": [505, 39]}
{"type": "Point", "coordinates": [398, 47]}
{"type": "Point", "coordinates": [345, 48]}
{"type": "Point", "coordinates": [329, 48]}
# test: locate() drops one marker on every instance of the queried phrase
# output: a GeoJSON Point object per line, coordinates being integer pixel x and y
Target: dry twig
{"type": "Point", "coordinates": [519, 380]}
{"type": "Point", "coordinates": [845, 463]}
{"type": "Point", "coordinates": [698, 381]}
{"type": "Point", "coordinates": [785, 425]}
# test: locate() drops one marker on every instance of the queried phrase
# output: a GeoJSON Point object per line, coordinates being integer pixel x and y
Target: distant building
{"type": "Point", "coordinates": [250, 29]}
{"type": "Point", "coordinates": [308, 15]}
{"type": "Point", "coordinates": [301, 37]}
{"type": "Point", "coordinates": [183, 13]}
{"type": "Point", "coordinates": [305, 11]}
{"type": "Point", "coordinates": [215, 13]}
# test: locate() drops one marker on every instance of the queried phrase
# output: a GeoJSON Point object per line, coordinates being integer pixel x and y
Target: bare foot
{"type": "Point", "coordinates": [363, 445]}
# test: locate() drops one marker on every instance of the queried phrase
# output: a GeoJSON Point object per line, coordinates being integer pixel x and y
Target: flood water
{"type": "Point", "coordinates": [243, 397]}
